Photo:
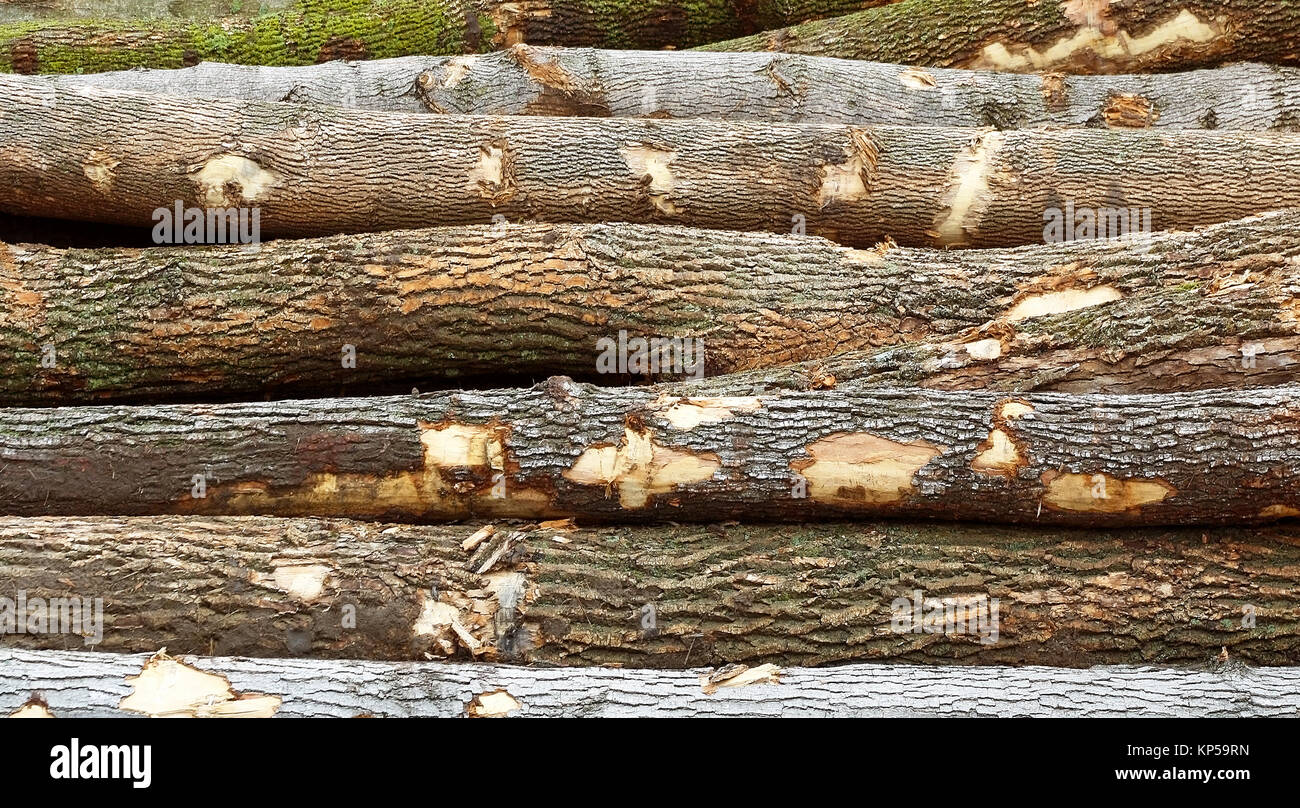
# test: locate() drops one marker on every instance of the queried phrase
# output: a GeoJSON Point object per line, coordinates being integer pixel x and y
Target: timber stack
{"type": "Point", "coordinates": [613, 358]}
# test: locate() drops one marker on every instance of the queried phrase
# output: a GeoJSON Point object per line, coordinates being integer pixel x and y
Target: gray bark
{"type": "Point", "coordinates": [82, 684]}
{"type": "Point", "coordinates": [117, 156]}
{"type": "Point", "coordinates": [527, 80]}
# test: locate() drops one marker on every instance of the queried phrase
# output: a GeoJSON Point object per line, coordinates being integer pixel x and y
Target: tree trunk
{"type": "Point", "coordinates": [1095, 36]}
{"type": "Point", "coordinates": [79, 684]}
{"type": "Point", "coordinates": [634, 454]}
{"type": "Point", "coordinates": [312, 31]}
{"type": "Point", "coordinates": [446, 303]}
{"type": "Point", "coordinates": [661, 596]}
{"type": "Point", "coordinates": [27, 10]}
{"type": "Point", "coordinates": [303, 33]}
{"type": "Point", "coordinates": [116, 156]}
{"type": "Point", "coordinates": [525, 80]}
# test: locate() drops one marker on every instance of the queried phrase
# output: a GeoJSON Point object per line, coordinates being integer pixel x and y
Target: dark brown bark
{"type": "Point", "coordinates": [1075, 36]}
{"type": "Point", "coordinates": [116, 156]}
{"type": "Point", "coordinates": [636, 454]}
{"type": "Point", "coordinates": [664, 596]}
{"type": "Point", "coordinates": [528, 301]}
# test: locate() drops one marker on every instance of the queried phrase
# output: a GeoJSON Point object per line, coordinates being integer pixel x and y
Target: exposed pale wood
{"type": "Point", "coordinates": [1076, 36]}
{"type": "Point", "coordinates": [634, 454]}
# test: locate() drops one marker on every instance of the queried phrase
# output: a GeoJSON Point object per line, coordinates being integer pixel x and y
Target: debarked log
{"type": "Point", "coordinates": [526, 80]}
{"type": "Point", "coordinates": [647, 596]}
{"type": "Point", "coordinates": [119, 156]}
{"type": "Point", "coordinates": [85, 325]}
{"type": "Point", "coordinates": [562, 449]}
{"type": "Point", "coordinates": [80, 684]}
{"type": "Point", "coordinates": [1076, 36]}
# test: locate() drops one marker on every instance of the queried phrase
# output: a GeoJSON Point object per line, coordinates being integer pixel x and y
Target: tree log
{"type": "Point", "coordinates": [304, 32]}
{"type": "Point", "coordinates": [1172, 311]}
{"type": "Point", "coordinates": [311, 31]}
{"type": "Point", "coordinates": [526, 80]}
{"type": "Point", "coordinates": [117, 156]}
{"type": "Point", "coordinates": [79, 684]}
{"type": "Point", "coordinates": [663, 596]}
{"type": "Point", "coordinates": [634, 454]}
{"type": "Point", "coordinates": [1097, 36]}
{"type": "Point", "coordinates": [27, 10]}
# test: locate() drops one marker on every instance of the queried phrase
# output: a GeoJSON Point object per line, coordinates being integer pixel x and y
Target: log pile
{"type": "Point", "coordinates": [570, 358]}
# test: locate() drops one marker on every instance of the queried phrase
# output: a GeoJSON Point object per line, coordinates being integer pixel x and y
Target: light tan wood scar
{"type": "Point", "coordinates": [864, 469]}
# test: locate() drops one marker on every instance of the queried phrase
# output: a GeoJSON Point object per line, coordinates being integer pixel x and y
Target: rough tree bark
{"type": "Point", "coordinates": [526, 80]}
{"type": "Point", "coordinates": [663, 596]}
{"type": "Point", "coordinates": [1075, 36]}
{"type": "Point", "coordinates": [307, 31]}
{"type": "Point", "coordinates": [26, 10]}
{"type": "Point", "coordinates": [634, 454]}
{"type": "Point", "coordinates": [78, 684]}
{"type": "Point", "coordinates": [1167, 311]}
{"type": "Point", "coordinates": [117, 156]}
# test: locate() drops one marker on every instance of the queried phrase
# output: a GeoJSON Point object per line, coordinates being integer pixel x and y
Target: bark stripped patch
{"type": "Point", "coordinates": [1128, 111]}
{"type": "Point", "coordinates": [739, 675]}
{"type": "Point", "coordinates": [460, 465]}
{"type": "Point", "coordinates": [100, 168]}
{"type": "Point", "coordinates": [915, 78]}
{"type": "Point", "coordinates": [1279, 511]}
{"type": "Point", "coordinates": [229, 180]}
{"type": "Point", "coordinates": [35, 707]}
{"type": "Point", "coordinates": [493, 704]}
{"type": "Point", "coordinates": [302, 582]}
{"type": "Point", "coordinates": [852, 180]}
{"type": "Point", "coordinates": [654, 166]}
{"type": "Point", "coordinates": [859, 468]}
{"type": "Point", "coordinates": [968, 187]}
{"type": "Point", "coordinates": [1059, 302]}
{"type": "Point", "coordinates": [1056, 95]}
{"type": "Point", "coordinates": [1101, 493]}
{"type": "Point", "coordinates": [168, 688]}
{"type": "Point", "coordinates": [687, 413]}
{"type": "Point", "coordinates": [1100, 45]}
{"type": "Point", "coordinates": [639, 468]}
{"type": "Point", "coordinates": [493, 175]}
{"type": "Point", "coordinates": [511, 20]}
{"type": "Point", "coordinates": [1001, 453]}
